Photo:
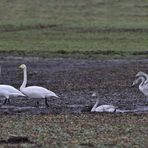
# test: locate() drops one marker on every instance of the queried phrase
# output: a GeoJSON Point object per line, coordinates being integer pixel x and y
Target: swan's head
{"type": "Point", "coordinates": [137, 81]}
{"type": "Point", "coordinates": [22, 66]}
{"type": "Point", "coordinates": [140, 73]}
{"type": "Point", "coordinates": [94, 94]}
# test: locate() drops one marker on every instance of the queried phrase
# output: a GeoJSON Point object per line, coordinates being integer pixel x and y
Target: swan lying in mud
{"type": "Point", "coordinates": [8, 91]}
{"type": "Point", "coordinates": [102, 108]}
{"type": "Point", "coordinates": [143, 87]}
{"type": "Point", "coordinates": [35, 92]}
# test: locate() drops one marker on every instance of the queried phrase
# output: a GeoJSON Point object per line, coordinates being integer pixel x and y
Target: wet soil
{"type": "Point", "coordinates": [74, 80]}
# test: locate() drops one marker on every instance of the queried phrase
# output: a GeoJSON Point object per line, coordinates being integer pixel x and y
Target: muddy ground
{"type": "Point", "coordinates": [74, 80]}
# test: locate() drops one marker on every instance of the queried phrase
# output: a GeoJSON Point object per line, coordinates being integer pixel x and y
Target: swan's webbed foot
{"type": "Point", "coordinates": [46, 102]}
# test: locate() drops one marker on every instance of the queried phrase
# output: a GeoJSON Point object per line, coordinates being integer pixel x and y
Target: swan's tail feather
{"type": "Point", "coordinates": [52, 94]}
{"type": "Point", "coordinates": [56, 96]}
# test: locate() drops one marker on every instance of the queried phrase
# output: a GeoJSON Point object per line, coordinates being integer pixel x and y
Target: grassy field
{"type": "Point", "coordinates": [74, 27]}
{"type": "Point", "coordinates": [100, 28]}
{"type": "Point", "coordinates": [98, 130]}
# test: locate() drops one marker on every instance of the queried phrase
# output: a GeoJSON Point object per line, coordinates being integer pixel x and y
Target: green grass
{"type": "Point", "coordinates": [91, 130]}
{"type": "Point", "coordinates": [74, 27]}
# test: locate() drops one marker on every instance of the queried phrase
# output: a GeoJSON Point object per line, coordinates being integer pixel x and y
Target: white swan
{"type": "Point", "coordinates": [35, 92]}
{"type": "Point", "coordinates": [8, 91]}
{"type": "Point", "coordinates": [102, 108]}
{"type": "Point", "coordinates": [143, 87]}
{"type": "Point", "coordinates": [140, 73]}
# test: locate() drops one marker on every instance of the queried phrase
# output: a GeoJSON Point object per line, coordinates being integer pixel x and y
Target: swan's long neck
{"type": "Point", "coordinates": [142, 82]}
{"type": "Point", "coordinates": [145, 75]}
{"type": "Point", "coordinates": [24, 79]}
{"type": "Point", "coordinates": [95, 106]}
{"type": "Point", "coordinates": [146, 78]}
{"type": "Point", "coordinates": [142, 74]}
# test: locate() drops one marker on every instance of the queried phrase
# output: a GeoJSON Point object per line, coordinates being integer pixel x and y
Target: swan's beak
{"type": "Point", "coordinates": [94, 94]}
{"type": "Point", "coordinates": [133, 84]}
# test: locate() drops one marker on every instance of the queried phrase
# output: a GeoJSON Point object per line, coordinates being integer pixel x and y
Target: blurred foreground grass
{"type": "Point", "coordinates": [85, 130]}
{"type": "Point", "coordinates": [74, 27]}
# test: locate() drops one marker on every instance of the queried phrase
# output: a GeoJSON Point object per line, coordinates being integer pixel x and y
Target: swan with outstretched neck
{"type": "Point", "coordinates": [102, 108]}
{"type": "Point", "coordinates": [35, 92]}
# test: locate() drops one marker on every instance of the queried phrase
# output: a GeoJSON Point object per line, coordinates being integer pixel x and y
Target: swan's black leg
{"type": "Point", "coordinates": [46, 102]}
{"type": "Point", "coordinates": [146, 101]}
{"type": "Point", "coordinates": [37, 103]}
{"type": "Point", "coordinates": [8, 100]}
{"type": "Point", "coordinates": [5, 101]}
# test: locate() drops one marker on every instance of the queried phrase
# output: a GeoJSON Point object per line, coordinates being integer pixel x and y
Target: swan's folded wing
{"type": "Point", "coordinates": [38, 92]}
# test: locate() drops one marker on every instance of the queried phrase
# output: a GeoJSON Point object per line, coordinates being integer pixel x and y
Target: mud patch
{"type": "Point", "coordinates": [74, 80]}
{"type": "Point", "coordinates": [15, 140]}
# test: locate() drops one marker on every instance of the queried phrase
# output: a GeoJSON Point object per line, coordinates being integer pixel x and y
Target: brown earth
{"type": "Point", "coordinates": [74, 80]}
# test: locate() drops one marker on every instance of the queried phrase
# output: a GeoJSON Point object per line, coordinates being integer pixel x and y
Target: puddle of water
{"type": "Point", "coordinates": [138, 109]}
{"type": "Point", "coordinates": [142, 109]}
{"type": "Point", "coordinates": [7, 107]}
{"type": "Point", "coordinates": [62, 109]}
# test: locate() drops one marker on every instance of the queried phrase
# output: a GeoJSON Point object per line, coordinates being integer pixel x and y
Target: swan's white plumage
{"type": "Point", "coordinates": [35, 92]}
{"type": "Point", "coordinates": [38, 92]}
{"type": "Point", "coordinates": [12, 90]}
{"type": "Point", "coordinates": [4, 93]}
{"type": "Point", "coordinates": [105, 108]}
